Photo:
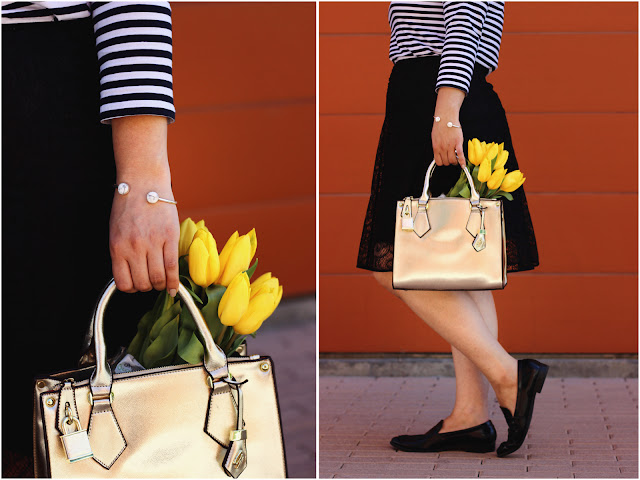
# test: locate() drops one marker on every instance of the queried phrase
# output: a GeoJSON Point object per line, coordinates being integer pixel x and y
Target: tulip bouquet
{"type": "Point", "coordinates": [489, 175]}
{"type": "Point", "coordinates": [220, 285]}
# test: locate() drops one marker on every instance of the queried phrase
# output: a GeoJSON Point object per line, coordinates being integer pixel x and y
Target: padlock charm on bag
{"type": "Point", "coordinates": [76, 444]}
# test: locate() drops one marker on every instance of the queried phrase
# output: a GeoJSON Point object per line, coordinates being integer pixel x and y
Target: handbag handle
{"type": "Point", "coordinates": [215, 361]}
{"type": "Point", "coordinates": [424, 198]}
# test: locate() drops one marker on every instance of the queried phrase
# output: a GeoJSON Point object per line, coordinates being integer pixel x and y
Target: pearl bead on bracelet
{"type": "Point", "coordinates": [152, 197]}
{"type": "Point", "coordinates": [449, 124]}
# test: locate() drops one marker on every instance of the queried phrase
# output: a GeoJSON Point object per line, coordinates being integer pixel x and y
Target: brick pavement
{"type": "Point", "coordinates": [581, 428]}
{"type": "Point", "coordinates": [289, 338]}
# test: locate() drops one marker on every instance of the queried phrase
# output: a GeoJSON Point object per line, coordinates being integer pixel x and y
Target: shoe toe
{"type": "Point", "coordinates": [502, 449]}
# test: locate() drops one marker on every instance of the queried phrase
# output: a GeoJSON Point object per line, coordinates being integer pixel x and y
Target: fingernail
{"type": "Point", "coordinates": [173, 292]}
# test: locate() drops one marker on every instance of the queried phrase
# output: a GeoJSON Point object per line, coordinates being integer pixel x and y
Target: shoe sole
{"type": "Point", "coordinates": [539, 382]}
{"type": "Point", "coordinates": [419, 450]}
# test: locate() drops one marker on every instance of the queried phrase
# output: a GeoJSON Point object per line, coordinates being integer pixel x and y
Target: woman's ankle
{"type": "Point", "coordinates": [460, 421]}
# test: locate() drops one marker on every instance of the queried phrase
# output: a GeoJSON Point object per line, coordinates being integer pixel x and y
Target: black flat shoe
{"type": "Point", "coordinates": [481, 438]}
{"type": "Point", "coordinates": [531, 376]}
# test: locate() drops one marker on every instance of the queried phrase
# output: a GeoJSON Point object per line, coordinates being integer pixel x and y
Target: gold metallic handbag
{"type": "Point", "coordinates": [449, 243]}
{"type": "Point", "coordinates": [211, 420]}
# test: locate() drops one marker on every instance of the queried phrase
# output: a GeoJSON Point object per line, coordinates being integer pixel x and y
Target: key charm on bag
{"type": "Point", "coordinates": [480, 242]}
{"type": "Point", "coordinates": [76, 444]}
{"type": "Point", "coordinates": [235, 460]}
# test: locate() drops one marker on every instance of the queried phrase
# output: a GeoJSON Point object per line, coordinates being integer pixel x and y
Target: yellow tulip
{"type": "Point", "coordinates": [479, 151]}
{"type": "Point", "coordinates": [500, 147]}
{"type": "Point", "coordinates": [496, 178]}
{"type": "Point", "coordinates": [474, 151]}
{"type": "Point", "coordinates": [484, 147]}
{"type": "Point", "coordinates": [501, 160]}
{"type": "Point", "coordinates": [512, 181]}
{"type": "Point", "coordinates": [266, 293]}
{"type": "Point", "coordinates": [204, 263]}
{"type": "Point", "coordinates": [235, 300]}
{"type": "Point", "coordinates": [485, 170]}
{"type": "Point", "coordinates": [253, 239]}
{"type": "Point", "coordinates": [471, 152]}
{"type": "Point", "coordinates": [236, 256]}
{"type": "Point", "coordinates": [187, 230]}
{"type": "Point", "coordinates": [492, 151]}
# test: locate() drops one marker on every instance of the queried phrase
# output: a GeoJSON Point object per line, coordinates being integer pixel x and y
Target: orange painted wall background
{"type": "Point", "coordinates": [568, 80]}
{"type": "Point", "coordinates": [242, 148]}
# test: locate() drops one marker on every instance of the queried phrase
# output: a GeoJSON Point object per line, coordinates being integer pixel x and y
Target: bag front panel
{"type": "Point", "coordinates": [444, 258]}
{"type": "Point", "coordinates": [162, 416]}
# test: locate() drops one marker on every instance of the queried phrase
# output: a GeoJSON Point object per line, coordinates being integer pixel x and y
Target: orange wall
{"type": "Point", "coordinates": [568, 81]}
{"type": "Point", "coordinates": [242, 149]}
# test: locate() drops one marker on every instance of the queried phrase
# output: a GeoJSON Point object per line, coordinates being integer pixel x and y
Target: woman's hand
{"type": "Point", "coordinates": [143, 237]}
{"type": "Point", "coordinates": [447, 141]}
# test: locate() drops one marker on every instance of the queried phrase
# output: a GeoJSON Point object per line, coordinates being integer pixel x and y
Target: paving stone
{"type": "Point", "coordinates": [569, 426]}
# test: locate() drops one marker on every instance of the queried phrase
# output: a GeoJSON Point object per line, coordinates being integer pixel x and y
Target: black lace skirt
{"type": "Point", "coordinates": [405, 152]}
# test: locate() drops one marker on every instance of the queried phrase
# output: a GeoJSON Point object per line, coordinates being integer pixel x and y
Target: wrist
{"type": "Point", "coordinates": [448, 103]}
{"type": "Point", "coordinates": [146, 172]}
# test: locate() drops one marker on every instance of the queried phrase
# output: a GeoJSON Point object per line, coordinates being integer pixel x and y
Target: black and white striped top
{"type": "Point", "coordinates": [134, 47]}
{"type": "Point", "coordinates": [462, 33]}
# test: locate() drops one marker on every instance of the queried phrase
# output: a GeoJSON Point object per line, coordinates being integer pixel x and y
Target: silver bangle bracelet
{"type": "Point", "coordinates": [152, 197]}
{"type": "Point", "coordinates": [449, 124]}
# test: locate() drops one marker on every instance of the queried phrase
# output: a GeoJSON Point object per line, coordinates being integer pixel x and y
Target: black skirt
{"type": "Point", "coordinates": [57, 187]}
{"type": "Point", "coordinates": [405, 152]}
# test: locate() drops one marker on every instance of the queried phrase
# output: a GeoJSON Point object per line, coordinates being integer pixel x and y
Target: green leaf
{"type": "Point", "coordinates": [235, 345]}
{"type": "Point", "coordinates": [465, 192]}
{"type": "Point", "coordinates": [136, 345]}
{"type": "Point", "coordinates": [491, 193]}
{"type": "Point", "coordinates": [460, 183]}
{"type": "Point", "coordinates": [252, 270]}
{"type": "Point", "coordinates": [143, 330]}
{"type": "Point", "coordinates": [253, 334]}
{"type": "Point", "coordinates": [183, 265]}
{"type": "Point", "coordinates": [164, 319]}
{"type": "Point", "coordinates": [190, 288]}
{"type": "Point", "coordinates": [227, 336]}
{"type": "Point", "coordinates": [186, 320]}
{"type": "Point", "coordinates": [161, 350]}
{"type": "Point", "coordinates": [506, 195]}
{"type": "Point", "coordinates": [192, 350]}
{"type": "Point", "coordinates": [455, 190]}
{"type": "Point", "coordinates": [144, 325]}
{"type": "Point", "coordinates": [493, 162]}
{"type": "Point", "coordinates": [210, 310]}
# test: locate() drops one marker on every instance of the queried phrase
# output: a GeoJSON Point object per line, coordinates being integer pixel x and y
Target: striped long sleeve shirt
{"type": "Point", "coordinates": [134, 49]}
{"type": "Point", "coordinates": [461, 33]}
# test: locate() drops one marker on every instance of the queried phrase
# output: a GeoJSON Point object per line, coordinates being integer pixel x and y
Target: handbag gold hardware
{"type": "Point", "coordinates": [179, 421]}
{"type": "Point", "coordinates": [449, 243]}
{"type": "Point", "coordinates": [111, 395]}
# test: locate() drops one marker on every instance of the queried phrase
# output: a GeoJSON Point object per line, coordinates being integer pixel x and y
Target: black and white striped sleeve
{"type": "Point", "coordinates": [134, 46]}
{"type": "Point", "coordinates": [463, 28]}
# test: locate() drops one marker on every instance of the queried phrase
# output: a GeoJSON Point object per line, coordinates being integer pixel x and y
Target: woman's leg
{"type": "Point", "coordinates": [455, 316]}
{"type": "Point", "coordinates": [471, 405]}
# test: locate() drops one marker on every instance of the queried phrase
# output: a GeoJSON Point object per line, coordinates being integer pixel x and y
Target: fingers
{"type": "Point", "coordinates": [462, 161]}
{"type": "Point", "coordinates": [171, 266]}
{"type": "Point", "coordinates": [140, 272]}
{"type": "Point", "coordinates": [447, 146]}
{"type": "Point", "coordinates": [122, 274]}
{"type": "Point", "coordinates": [155, 264]}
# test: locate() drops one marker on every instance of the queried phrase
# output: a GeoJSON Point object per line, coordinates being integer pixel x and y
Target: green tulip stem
{"type": "Point", "coordinates": [221, 336]}
{"type": "Point", "coordinates": [233, 339]}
